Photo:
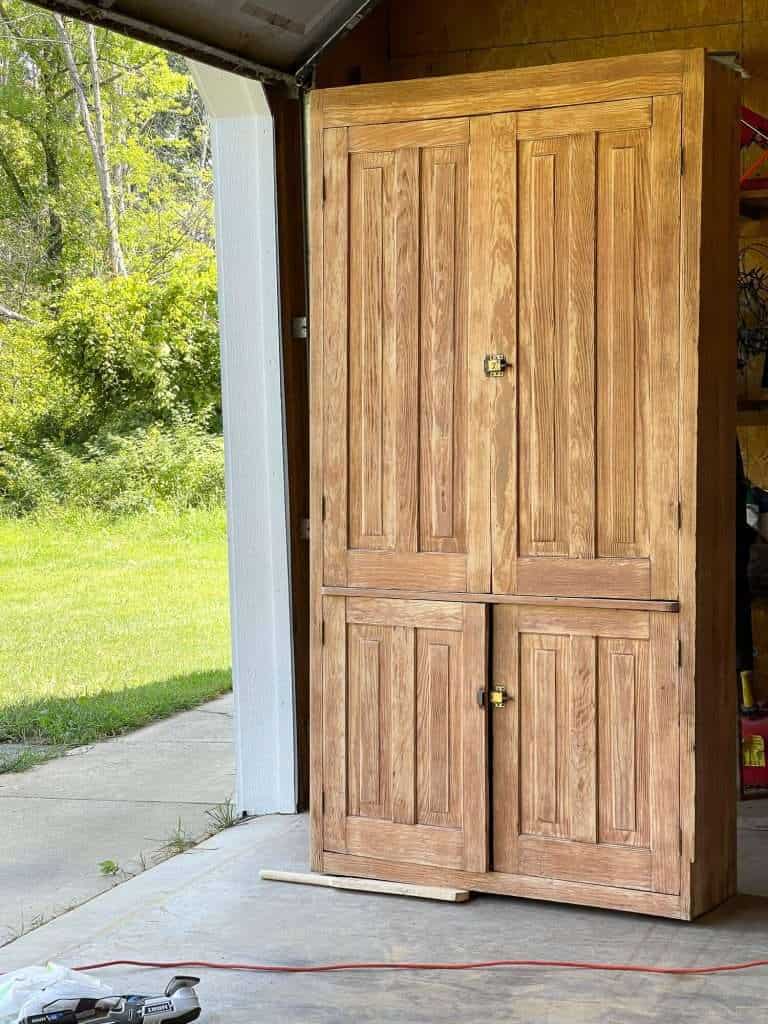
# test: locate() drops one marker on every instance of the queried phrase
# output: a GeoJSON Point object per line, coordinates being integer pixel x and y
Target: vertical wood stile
{"type": "Point", "coordinates": [406, 441]}
{"type": "Point", "coordinates": [335, 329]}
{"type": "Point", "coordinates": [334, 724]}
{"type": "Point", "coordinates": [664, 741]}
{"type": "Point", "coordinates": [315, 183]}
{"type": "Point", "coordinates": [664, 315]}
{"type": "Point", "coordinates": [403, 725]}
{"type": "Point", "coordinates": [474, 739]}
{"type": "Point", "coordinates": [493, 328]}
{"type": "Point", "coordinates": [581, 356]}
{"type": "Point", "coordinates": [581, 757]}
{"type": "Point", "coordinates": [505, 671]}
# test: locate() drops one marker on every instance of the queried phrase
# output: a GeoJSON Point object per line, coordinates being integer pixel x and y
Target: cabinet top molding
{"type": "Point", "coordinates": [488, 92]}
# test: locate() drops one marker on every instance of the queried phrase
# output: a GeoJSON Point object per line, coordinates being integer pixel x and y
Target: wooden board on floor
{"type": "Point", "coordinates": [424, 892]}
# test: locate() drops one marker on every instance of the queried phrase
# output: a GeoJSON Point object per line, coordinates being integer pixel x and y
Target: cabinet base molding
{"type": "Point", "coordinates": [526, 886]}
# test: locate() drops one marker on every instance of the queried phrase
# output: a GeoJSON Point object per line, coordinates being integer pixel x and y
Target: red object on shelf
{"type": "Point", "coordinates": [754, 128]}
{"type": "Point", "coordinates": [754, 131]}
{"type": "Point", "coordinates": [754, 755]}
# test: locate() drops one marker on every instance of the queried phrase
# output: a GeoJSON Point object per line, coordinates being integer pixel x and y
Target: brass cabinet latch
{"type": "Point", "coordinates": [498, 697]}
{"type": "Point", "coordinates": [495, 364]}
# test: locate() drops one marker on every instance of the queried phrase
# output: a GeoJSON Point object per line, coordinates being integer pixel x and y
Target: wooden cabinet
{"type": "Point", "coordinates": [522, 454]}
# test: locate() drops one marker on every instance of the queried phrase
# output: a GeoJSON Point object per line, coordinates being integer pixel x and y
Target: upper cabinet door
{"type": "Point", "coordinates": [584, 435]}
{"type": "Point", "coordinates": [406, 503]}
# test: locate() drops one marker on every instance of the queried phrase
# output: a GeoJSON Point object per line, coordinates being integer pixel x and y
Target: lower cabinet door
{"type": "Point", "coordinates": [586, 747]}
{"type": "Point", "coordinates": [405, 770]}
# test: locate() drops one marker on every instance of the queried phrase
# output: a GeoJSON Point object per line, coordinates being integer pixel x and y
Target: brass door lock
{"type": "Point", "coordinates": [499, 697]}
{"type": "Point", "coordinates": [495, 364]}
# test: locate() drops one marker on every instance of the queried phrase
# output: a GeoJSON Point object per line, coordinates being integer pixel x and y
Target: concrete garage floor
{"type": "Point", "coordinates": [210, 904]}
{"type": "Point", "coordinates": [120, 800]}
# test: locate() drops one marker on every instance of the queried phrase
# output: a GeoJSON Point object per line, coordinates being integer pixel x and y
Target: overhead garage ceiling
{"type": "Point", "coordinates": [270, 39]}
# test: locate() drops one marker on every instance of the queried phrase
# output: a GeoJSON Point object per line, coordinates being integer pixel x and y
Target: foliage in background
{"type": "Point", "coordinates": [172, 468]}
{"type": "Point", "coordinates": [138, 350]}
{"type": "Point", "coordinates": [52, 224]}
{"type": "Point", "coordinates": [109, 359]}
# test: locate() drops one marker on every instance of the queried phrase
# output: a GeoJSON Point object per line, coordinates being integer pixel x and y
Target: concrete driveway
{"type": "Point", "coordinates": [120, 801]}
{"type": "Point", "coordinates": [210, 904]}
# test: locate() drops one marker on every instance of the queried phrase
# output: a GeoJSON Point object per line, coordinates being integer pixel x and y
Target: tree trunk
{"type": "Point", "coordinates": [94, 130]}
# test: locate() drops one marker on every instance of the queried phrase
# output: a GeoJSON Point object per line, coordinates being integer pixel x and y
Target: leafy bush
{"type": "Point", "coordinates": [36, 402]}
{"type": "Point", "coordinates": [157, 467]}
{"type": "Point", "coordinates": [141, 351]}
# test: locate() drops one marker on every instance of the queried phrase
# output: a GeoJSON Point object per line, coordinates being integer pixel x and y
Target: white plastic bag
{"type": "Point", "coordinates": [29, 989]}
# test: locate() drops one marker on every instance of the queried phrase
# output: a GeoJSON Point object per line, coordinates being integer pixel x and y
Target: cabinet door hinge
{"type": "Point", "coordinates": [299, 328]}
{"type": "Point", "coordinates": [304, 529]}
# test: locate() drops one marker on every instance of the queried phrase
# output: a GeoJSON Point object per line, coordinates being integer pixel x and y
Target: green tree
{"type": "Point", "coordinates": [78, 108]}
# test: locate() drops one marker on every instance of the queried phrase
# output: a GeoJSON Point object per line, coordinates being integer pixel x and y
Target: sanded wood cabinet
{"type": "Point", "coordinates": [523, 295]}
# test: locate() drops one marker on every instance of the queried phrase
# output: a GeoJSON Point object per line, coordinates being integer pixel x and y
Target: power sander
{"type": "Point", "coordinates": [178, 1005]}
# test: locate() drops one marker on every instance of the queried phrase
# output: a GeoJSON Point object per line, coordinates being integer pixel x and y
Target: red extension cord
{"type": "Point", "coordinates": [404, 966]}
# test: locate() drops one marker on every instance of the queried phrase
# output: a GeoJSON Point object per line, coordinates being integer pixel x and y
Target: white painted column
{"type": "Point", "coordinates": [254, 440]}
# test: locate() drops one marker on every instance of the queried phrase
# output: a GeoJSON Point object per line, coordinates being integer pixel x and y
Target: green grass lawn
{"type": "Point", "coordinates": [107, 625]}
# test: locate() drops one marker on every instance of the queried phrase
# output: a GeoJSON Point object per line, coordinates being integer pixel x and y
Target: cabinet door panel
{"type": "Point", "coordinates": [405, 465]}
{"type": "Point", "coordinates": [404, 744]}
{"type": "Point", "coordinates": [590, 505]}
{"type": "Point", "coordinates": [586, 750]}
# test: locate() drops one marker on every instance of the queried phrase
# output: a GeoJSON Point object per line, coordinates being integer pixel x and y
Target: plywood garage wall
{"type": "Point", "coordinates": [407, 39]}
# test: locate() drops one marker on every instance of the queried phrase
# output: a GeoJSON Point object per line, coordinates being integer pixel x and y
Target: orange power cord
{"type": "Point", "coordinates": [577, 965]}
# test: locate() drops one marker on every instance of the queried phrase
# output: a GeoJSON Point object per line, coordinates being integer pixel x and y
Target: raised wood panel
{"type": "Point", "coordinates": [544, 670]}
{"type": "Point", "coordinates": [544, 195]}
{"type": "Point", "coordinates": [556, 344]}
{"type": "Point", "coordinates": [369, 747]}
{"type": "Point", "coordinates": [372, 352]}
{"type": "Point", "coordinates": [404, 737]}
{"type": "Point", "coordinates": [623, 699]}
{"type": "Point", "coordinates": [443, 426]}
{"type": "Point", "coordinates": [438, 728]}
{"type": "Point", "coordinates": [623, 300]}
